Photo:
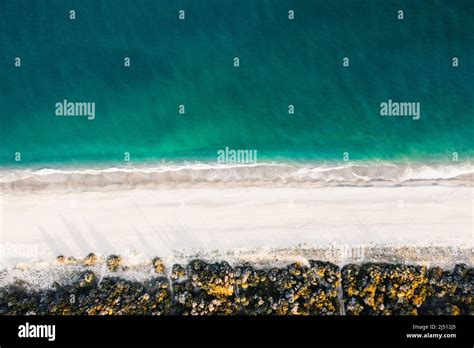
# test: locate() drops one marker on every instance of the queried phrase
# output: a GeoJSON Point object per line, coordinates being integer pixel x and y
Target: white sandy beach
{"type": "Point", "coordinates": [174, 223]}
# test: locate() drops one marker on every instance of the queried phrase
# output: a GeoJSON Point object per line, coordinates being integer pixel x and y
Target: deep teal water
{"type": "Point", "coordinates": [190, 62]}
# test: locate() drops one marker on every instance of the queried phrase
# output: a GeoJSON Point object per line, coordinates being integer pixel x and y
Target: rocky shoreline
{"type": "Point", "coordinates": [204, 288]}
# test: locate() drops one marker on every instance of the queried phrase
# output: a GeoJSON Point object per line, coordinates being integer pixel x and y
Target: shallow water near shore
{"type": "Point", "coordinates": [190, 63]}
{"type": "Point", "coordinates": [290, 174]}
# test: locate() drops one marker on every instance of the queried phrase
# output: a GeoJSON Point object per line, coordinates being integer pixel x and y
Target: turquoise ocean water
{"type": "Point", "coordinates": [191, 62]}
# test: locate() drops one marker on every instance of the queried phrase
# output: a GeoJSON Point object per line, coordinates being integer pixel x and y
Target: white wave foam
{"type": "Point", "coordinates": [202, 173]}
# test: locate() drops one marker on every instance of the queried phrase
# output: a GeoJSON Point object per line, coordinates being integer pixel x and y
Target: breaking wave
{"type": "Point", "coordinates": [380, 174]}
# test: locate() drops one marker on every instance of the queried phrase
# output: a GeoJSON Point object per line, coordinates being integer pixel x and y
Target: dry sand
{"type": "Point", "coordinates": [251, 223]}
